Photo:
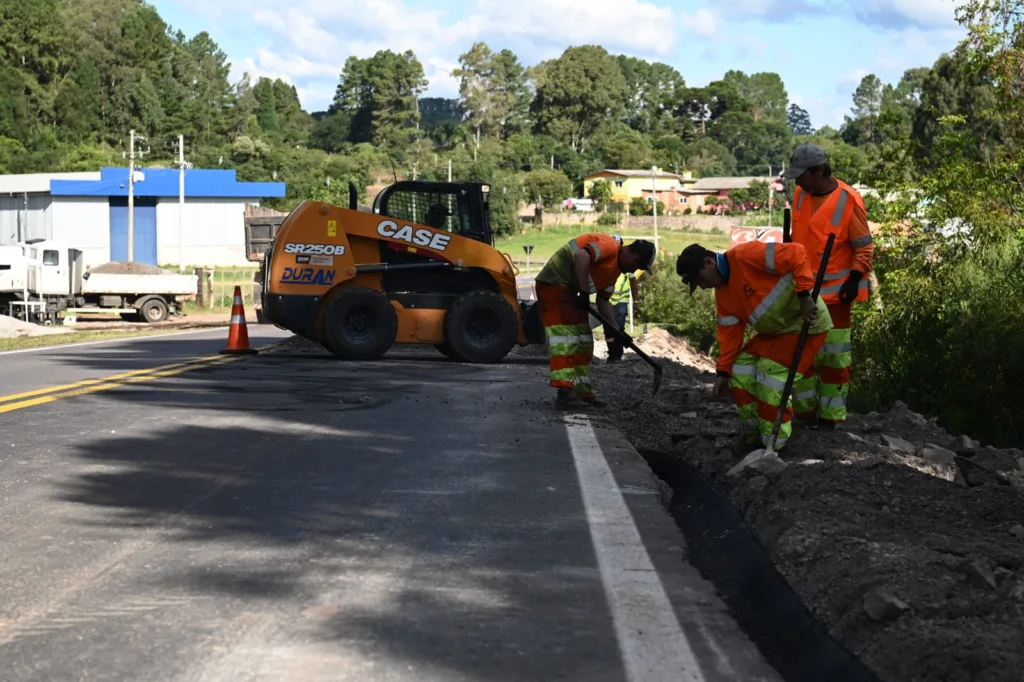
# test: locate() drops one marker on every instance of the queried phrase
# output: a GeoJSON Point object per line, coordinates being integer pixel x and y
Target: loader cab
{"type": "Point", "coordinates": [460, 208]}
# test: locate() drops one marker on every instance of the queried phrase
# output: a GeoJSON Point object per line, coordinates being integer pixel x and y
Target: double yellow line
{"type": "Point", "coordinates": [19, 401]}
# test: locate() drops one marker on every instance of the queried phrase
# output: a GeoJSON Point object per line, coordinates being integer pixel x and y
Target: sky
{"type": "Point", "coordinates": [821, 49]}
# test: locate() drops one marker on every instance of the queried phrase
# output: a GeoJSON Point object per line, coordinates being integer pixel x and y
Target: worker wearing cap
{"type": "Point", "coordinates": [588, 264]}
{"type": "Point", "coordinates": [824, 205]}
{"type": "Point", "coordinates": [767, 286]}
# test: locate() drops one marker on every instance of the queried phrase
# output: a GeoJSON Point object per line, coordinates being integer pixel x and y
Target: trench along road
{"type": "Point", "coordinates": [173, 514]}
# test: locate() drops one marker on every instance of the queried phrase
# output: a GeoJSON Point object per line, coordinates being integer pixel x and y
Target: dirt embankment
{"type": "Point", "coordinates": [905, 541]}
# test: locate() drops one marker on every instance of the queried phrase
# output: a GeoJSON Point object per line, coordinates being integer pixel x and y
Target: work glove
{"type": "Point", "coordinates": [848, 291]}
{"type": "Point", "coordinates": [582, 300]}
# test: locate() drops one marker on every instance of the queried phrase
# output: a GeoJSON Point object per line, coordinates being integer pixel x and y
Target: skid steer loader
{"type": "Point", "coordinates": [420, 268]}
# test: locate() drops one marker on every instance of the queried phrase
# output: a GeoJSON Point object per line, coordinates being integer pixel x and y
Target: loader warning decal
{"type": "Point", "coordinates": [332, 228]}
{"type": "Point", "coordinates": [420, 236]}
{"type": "Point", "coordinates": [309, 276]}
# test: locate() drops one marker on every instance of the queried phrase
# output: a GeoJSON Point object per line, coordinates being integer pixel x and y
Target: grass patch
{"type": "Point", "coordinates": [546, 242]}
{"type": "Point", "coordinates": [47, 340]}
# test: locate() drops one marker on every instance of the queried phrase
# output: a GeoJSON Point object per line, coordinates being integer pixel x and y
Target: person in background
{"type": "Point", "coordinates": [625, 288]}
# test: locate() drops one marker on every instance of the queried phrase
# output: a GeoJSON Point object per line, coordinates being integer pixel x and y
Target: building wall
{"type": "Point", "coordinates": [213, 232]}
{"type": "Point", "coordinates": [634, 186]}
{"type": "Point", "coordinates": [84, 223]}
{"type": "Point", "coordinates": [35, 222]}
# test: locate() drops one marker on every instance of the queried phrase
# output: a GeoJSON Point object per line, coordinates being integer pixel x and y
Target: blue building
{"type": "Point", "coordinates": [89, 211]}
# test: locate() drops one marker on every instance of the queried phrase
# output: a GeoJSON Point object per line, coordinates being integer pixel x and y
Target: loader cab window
{"type": "Point", "coordinates": [442, 206]}
{"type": "Point", "coordinates": [51, 257]}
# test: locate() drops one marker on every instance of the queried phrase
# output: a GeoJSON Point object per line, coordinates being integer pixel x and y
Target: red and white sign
{"type": "Point", "coordinates": [742, 235]}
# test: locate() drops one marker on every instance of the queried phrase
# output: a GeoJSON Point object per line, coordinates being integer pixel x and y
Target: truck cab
{"type": "Point", "coordinates": [55, 269]}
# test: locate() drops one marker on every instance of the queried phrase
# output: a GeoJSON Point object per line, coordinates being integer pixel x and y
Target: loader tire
{"type": "Point", "coordinates": [447, 351]}
{"type": "Point", "coordinates": [360, 324]}
{"type": "Point", "coordinates": [481, 327]}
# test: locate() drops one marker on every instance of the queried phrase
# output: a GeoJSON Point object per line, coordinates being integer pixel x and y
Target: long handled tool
{"type": "Point", "coordinates": [787, 223]}
{"type": "Point", "coordinates": [617, 333]}
{"type": "Point", "coordinates": [788, 388]}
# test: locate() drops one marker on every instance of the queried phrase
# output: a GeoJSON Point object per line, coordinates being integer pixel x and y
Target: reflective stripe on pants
{"type": "Point", "coordinates": [570, 341]}
{"type": "Point", "coordinates": [759, 377]}
{"type": "Point", "coordinates": [825, 391]}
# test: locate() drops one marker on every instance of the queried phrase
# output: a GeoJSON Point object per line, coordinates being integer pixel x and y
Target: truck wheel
{"type": "Point", "coordinates": [360, 324]}
{"type": "Point", "coordinates": [153, 310]}
{"type": "Point", "coordinates": [481, 327]}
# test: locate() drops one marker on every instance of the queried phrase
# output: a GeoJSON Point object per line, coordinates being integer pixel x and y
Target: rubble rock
{"type": "Point", "coordinates": [1017, 531]}
{"type": "Point", "coordinates": [899, 444]}
{"type": "Point", "coordinates": [979, 574]}
{"type": "Point", "coordinates": [934, 453]}
{"type": "Point", "coordinates": [966, 443]}
{"type": "Point", "coordinates": [902, 412]}
{"type": "Point", "coordinates": [744, 463]}
{"type": "Point", "coordinates": [883, 606]}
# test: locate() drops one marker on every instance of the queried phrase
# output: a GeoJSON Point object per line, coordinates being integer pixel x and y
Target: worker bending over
{"type": "Point", "coordinates": [824, 205]}
{"type": "Point", "coordinates": [767, 286]}
{"type": "Point", "coordinates": [589, 264]}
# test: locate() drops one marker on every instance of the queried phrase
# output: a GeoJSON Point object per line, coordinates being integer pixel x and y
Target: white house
{"type": "Point", "coordinates": [89, 211]}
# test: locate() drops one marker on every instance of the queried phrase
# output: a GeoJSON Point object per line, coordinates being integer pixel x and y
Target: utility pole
{"type": "Point", "coordinates": [131, 190]}
{"type": "Point", "coordinates": [771, 193]}
{"type": "Point", "coordinates": [132, 139]}
{"type": "Point", "coordinates": [181, 203]}
{"type": "Point", "coordinates": [654, 204]}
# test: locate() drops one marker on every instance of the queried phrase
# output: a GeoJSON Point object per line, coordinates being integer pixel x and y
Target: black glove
{"type": "Point", "coordinates": [848, 291]}
{"type": "Point", "coordinates": [582, 300]}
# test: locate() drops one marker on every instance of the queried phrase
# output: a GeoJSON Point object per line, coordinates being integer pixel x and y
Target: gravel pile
{"type": "Point", "coordinates": [133, 268]}
{"type": "Point", "coordinates": [905, 541]}
{"type": "Point", "coordinates": [12, 328]}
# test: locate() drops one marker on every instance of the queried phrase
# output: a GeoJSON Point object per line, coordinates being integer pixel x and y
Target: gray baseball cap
{"type": "Point", "coordinates": [805, 156]}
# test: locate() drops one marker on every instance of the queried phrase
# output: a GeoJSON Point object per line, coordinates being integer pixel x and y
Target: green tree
{"type": "Point", "coordinates": [548, 187]}
{"type": "Point", "coordinates": [799, 120]}
{"type": "Point", "coordinates": [381, 93]}
{"type": "Point", "coordinates": [576, 93]}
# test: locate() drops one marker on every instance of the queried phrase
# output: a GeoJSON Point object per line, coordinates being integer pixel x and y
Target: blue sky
{"type": "Point", "coordinates": [821, 49]}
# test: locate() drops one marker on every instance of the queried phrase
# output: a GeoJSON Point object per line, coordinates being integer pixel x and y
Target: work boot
{"type": "Point", "coordinates": [594, 401]}
{"type": "Point", "coordinates": [566, 399]}
{"type": "Point", "coordinates": [805, 422]}
{"type": "Point", "coordinates": [826, 425]}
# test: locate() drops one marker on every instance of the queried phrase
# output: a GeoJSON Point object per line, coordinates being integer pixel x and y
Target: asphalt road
{"type": "Point", "coordinates": [293, 517]}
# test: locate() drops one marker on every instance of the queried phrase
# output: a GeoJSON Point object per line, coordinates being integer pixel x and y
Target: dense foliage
{"type": "Point", "coordinates": [78, 74]}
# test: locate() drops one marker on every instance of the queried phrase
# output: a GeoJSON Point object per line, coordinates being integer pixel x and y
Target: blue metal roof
{"type": "Point", "coordinates": [163, 182]}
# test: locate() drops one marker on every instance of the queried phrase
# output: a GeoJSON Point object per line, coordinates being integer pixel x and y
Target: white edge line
{"type": "Point", "coordinates": [653, 646]}
{"type": "Point", "coordinates": [145, 337]}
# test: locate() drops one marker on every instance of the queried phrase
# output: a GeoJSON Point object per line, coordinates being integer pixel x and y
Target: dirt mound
{"type": "Point", "coordinates": [906, 542]}
{"type": "Point", "coordinates": [658, 343]}
{"type": "Point", "coordinates": [12, 328]}
{"type": "Point", "coordinates": [133, 268]}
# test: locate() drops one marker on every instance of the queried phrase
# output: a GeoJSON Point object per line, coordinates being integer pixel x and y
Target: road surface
{"type": "Point", "coordinates": [292, 517]}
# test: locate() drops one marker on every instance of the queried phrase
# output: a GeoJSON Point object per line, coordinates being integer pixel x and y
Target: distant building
{"type": "Point", "coordinates": [89, 211]}
{"type": "Point", "coordinates": [630, 184]}
{"type": "Point", "coordinates": [695, 196]}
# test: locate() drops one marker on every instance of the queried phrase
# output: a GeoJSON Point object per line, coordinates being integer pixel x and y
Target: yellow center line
{"type": "Point", "coordinates": [49, 395]}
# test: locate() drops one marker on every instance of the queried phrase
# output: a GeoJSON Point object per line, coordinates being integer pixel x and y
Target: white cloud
{"type": "Point", "coordinates": [703, 22]}
{"type": "Point", "coordinates": [903, 13]}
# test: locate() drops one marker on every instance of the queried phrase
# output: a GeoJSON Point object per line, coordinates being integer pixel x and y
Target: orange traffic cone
{"type": "Point", "coordinates": [238, 335]}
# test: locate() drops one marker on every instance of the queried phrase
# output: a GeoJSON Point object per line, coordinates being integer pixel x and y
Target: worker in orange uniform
{"type": "Point", "coordinates": [588, 264]}
{"type": "Point", "coordinates": [767, 286]}
{"type": "Point", "coordinates": [824, 205]}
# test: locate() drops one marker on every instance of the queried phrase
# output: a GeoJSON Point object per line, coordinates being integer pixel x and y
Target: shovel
{"type": "Point", "coordinates": [617, 333]}
{"type": "Point", "coordinates": [787, 223]}
{"type": "Point", "coordinates": [788, 388]}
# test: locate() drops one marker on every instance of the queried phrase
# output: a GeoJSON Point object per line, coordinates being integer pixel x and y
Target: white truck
{"type": "Point", "coordinates": [42, 280]}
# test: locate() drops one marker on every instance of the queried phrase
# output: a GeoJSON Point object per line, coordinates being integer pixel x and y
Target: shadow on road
{"type": "Point", "coordinates": [385, 507]}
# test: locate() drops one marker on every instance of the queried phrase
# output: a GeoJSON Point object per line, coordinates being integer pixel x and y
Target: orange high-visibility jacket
{"type": "Point", "coordinates": [852, 237]}
{"type": "Point", "coordinates": [604, 263]}
{"type": "Point", "coordinates": [761, 291]}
